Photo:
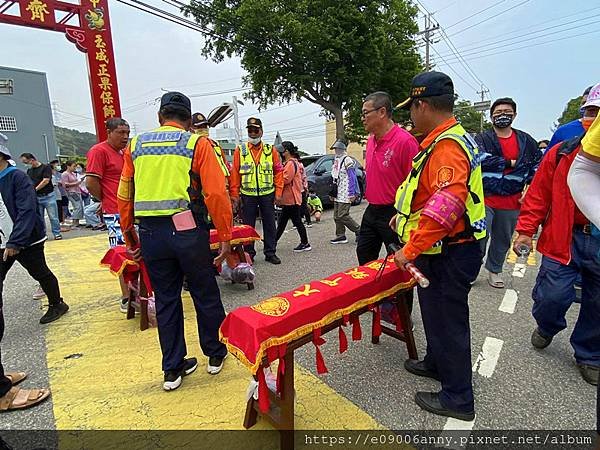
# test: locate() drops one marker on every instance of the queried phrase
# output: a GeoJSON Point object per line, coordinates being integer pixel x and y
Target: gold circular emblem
{"type": "Point", "coordinates": [274, 306]}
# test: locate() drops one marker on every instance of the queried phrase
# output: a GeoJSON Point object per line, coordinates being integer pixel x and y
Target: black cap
{"type": "Point", "coordinates": [177, 100]}
{"type": "Point", "coordinates": [254, 122]}
{"type": "Point", "coordinates": [199, 119]}
{"type": "Point", "coordinates": [428, 84]}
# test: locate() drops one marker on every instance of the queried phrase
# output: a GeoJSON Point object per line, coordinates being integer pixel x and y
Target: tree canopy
{"type": "Point", "coordinates": [328, 52]}
{"type": "Point", "coordinates": [469, 117]}
{"type": "Point", "coordinates": [571, 111]}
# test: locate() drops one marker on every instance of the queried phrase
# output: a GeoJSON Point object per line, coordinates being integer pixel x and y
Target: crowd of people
{"type": "Point", "coordinates": [445, 197]}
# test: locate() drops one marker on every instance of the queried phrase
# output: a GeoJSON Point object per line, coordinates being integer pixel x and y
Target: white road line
{"type": "Point", "coordinates": [456, 431]}
{"type": "Point", "coordinates": [519, 270]}
{"type": "Point", "coordinates": [488, 357]}
{"type": "Point", "coordinates": [455, 424]}
{"type": "Point", "coordinates": [509, 301]}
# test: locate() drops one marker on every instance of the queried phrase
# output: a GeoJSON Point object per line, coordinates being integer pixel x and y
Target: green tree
{"type": "Point", "coordinates": [469, 118]}
{"type": "Point", "coordinates": [74, 142]}
{"type": "Point", "coordinates": [329, 52]}
{"type": "Point", "coordinates": [571, 112]}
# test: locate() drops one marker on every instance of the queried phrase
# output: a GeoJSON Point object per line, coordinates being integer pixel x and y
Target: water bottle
{"type": "Point", "coordinates": [523, 252]}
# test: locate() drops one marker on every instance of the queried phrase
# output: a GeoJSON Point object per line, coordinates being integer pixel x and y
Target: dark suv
{"type": "Point", "coordinates": [318, 173]}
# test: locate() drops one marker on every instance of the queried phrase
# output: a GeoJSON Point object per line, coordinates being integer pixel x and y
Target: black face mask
{"type": "Point", "coordinates": [503, 120]}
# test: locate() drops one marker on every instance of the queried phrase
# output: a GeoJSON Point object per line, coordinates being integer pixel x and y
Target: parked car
{"type": "Point", "coordinates": [318, 174]}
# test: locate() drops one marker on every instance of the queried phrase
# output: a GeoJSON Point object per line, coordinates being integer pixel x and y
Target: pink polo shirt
{"type": "Point", "coordinates": [388, 163]}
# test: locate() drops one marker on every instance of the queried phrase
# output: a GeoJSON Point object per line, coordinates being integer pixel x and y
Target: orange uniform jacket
{"type": "Point", "coordinates": [448, 168]}
{"type": "Point", "coordinates": [235, 180]}
{"type": "Point", "coordinates": [213, 188]}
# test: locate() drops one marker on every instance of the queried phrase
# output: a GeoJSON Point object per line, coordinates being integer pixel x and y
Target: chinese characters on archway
{"type": "Point", "coordinates": [104, 76]}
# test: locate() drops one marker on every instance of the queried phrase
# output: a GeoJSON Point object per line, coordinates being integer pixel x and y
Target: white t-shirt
{"type": "Point", "coordinates": [340, 171]}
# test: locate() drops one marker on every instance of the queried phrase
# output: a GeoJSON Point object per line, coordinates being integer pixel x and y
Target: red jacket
{"type": "Point", "coordinates": [548, 202]}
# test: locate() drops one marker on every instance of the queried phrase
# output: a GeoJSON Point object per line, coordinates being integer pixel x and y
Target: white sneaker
{"type": "Point", "coordinates": [39, 293]}
{"type": "Point", "coordinates": [495, 280]}
{"type": "Point", "coordinates": [215, 364]}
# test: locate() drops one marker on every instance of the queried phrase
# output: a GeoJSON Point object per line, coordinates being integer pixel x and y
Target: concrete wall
{"type": "Point", "coordinates": [30, 105]}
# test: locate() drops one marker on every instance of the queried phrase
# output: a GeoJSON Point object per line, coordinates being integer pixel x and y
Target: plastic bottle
{"type": "Point", "coordinates": [524, 251]}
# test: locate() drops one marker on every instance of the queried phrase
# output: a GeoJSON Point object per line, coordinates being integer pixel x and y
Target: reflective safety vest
{"type": "Point", "coordinates": [257, 179]}
{"type": "Point", "coordinates": [474, 217]}
{"type": "Point", "coordinates": [220, 158]}
{"type": "Point", "coordinates": [162, 160]}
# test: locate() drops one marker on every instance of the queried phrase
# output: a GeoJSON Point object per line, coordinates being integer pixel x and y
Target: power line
{"type": "Point", "coordinates": [527, 46]}
{"type": "Point", "coordinates": [532, 35]}
{"type": "Point", "coordinates": [490, 18]}
{"type": "Point", "coordinates": [455, 51]}
{"type": "Point", "coordinates": [469, 47]}
{"type": "Point", "coordinates": [474, 14]}
{"type": "Point", "coordinates": [452, 69]}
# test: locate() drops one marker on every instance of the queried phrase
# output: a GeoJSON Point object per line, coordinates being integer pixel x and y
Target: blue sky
{"type": "Point", "coordinates": [541, 78]}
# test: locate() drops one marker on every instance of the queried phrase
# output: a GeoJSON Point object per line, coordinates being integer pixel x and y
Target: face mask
{"type": "Point", "coordinates": [339, 152]}
{"type": "Point", "coordinates": [503, 120]}
{"type": "Point", "coordinates": [313, 195]}
{"type": "Point", "coordinates": [79, 170]}
{"type": "Point", "coordinates": [254, 141]}
{"type": "Point", "coordinates": [587, 122]}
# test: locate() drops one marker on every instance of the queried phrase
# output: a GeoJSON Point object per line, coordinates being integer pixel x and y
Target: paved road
{"type": "Point", "coordinates": [516, 386]}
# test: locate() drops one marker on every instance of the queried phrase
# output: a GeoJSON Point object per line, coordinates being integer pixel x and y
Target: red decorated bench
{"type": "Point", "coordinates": [119, 263]}
{"type": "Point", "coordinates": [274, 328]}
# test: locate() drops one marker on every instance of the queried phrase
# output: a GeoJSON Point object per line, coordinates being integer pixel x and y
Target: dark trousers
{"type": "Point", "coordinates": [291, 212]}
{"type": "Point", "coordinates": [61, 212]}
{"type": "Point", "coordinates": [5, 383]}
{"type": "Point", "coordinates": [553, 295]}
{"type": "Point", "coordinates": [33, 260]}
{"type": "Point", "coordinates": [374, 231]}
{"type": "Point", "coordinates": [251, 204]}
{"type": "Point", "coordinates": [445, 312]}
{"type": "Point", "coordinates": [169, 255]}
{"type": "Point", "coordinates": [304, 211]}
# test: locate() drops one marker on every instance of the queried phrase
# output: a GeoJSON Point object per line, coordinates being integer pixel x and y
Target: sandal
{"type": "Point", "coordinates": [18, 398]}
{"type": "Point", "coordinates": [15, 377]}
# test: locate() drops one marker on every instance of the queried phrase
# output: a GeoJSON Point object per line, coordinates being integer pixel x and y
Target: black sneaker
{"type": "Point", "coordinates": [538, 340]}
{"type": "Point", "coordinates": [339, 240]}
{"type": "Point", "coordinates": [273, 259]}
{"type": "Point", "coordinates": [303, 248]}
{"type": "Point", "coordinates": [215, 364]}
{"type": "Point", "coordinates": [54, 312]}
{"type": "Point", "coordinates": [589, 373]}
{"type": "Point", "coordinates": [173, 378]}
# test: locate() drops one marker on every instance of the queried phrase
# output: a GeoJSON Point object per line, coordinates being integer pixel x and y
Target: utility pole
{"type": "Point", "coordinates": [483, 91]}
{"type": "Point", "coordinates": [428, 35]}
{"type": "Point", "coordinates": [55, 113]}
{"type": "Point", "coordinates": [236, 121]}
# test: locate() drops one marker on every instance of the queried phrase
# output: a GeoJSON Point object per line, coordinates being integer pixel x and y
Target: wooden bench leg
{"type": "Point", "coordinates": [287, 404]}
{"type": "Point", "coordinates": [406, 325]}
{"type": "Point", "coordinates": [374, 339]}
{"type": "Point", "coordinates": [251, 416]}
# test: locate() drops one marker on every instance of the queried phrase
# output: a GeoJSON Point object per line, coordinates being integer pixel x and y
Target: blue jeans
{"type": "Point", "coordinates": [553, 294]}
{"type": "Point", "coordinates": [501, 225]}
{"type": "Point", "coordinates": [48, 203]}
{"type": "Point", "coordinates": [90, 213]}
{"type": "Point", "coordinates": [169, 255]}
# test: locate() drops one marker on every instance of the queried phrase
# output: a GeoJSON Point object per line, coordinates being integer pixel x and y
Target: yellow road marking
{"type": "Point", "coordinates": [117, 383]}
